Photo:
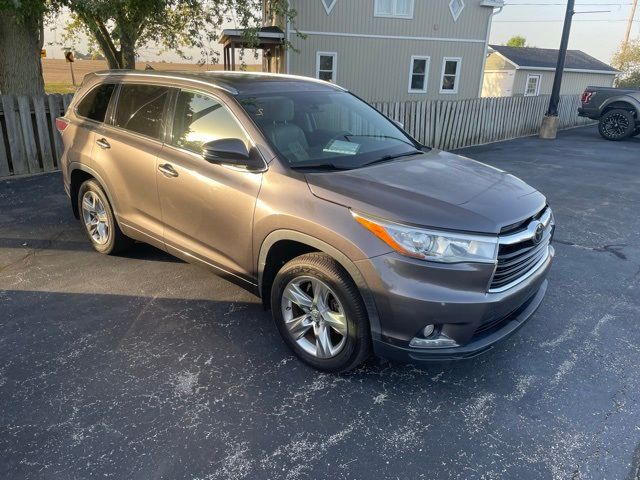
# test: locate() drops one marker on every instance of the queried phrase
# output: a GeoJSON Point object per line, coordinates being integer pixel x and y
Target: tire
{"type": "Point", "coordinates": [617, 124]}
{"type": "Point", "coordinates": [636, 132]}
{"type": "Point", "coordinates": [344, 325]}
{"type": "Point", "coordinates": [106, 237]}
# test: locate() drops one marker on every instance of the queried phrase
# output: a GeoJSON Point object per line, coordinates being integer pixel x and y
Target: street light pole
{"type": "Point", "coordinates": [550, 122]}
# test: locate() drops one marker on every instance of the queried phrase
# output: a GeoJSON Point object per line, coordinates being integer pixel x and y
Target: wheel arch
{"type": "Point", "coordinates": [624, 104]}
{"type": "Point", "coordinates": [303, 243]}
{"type": "Point", "coordinates": [78, 174]}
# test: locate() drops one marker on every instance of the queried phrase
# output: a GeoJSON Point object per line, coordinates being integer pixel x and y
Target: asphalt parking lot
{"type": "Point", "coordinates": [144, 367]}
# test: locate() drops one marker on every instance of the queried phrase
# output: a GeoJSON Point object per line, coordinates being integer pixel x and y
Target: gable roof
{"type": "Point", "coordinates": [547, 58]}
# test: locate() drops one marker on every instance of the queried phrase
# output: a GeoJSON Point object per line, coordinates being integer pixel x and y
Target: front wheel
{"type": "Point", "coordinates": [320, 314]}
{"type": "Point", "coordinates": [617, 124]}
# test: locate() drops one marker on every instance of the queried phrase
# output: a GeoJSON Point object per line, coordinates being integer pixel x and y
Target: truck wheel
{"type": "Point", "coordinates": [617, 124]}
{"type": "Point", "coordinates": [320, 314]}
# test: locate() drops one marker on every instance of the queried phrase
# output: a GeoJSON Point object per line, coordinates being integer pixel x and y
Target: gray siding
{"type": "Point", "coordinates": [431, 18]}
{"type": "Point", "coordinates": [572, 82]}
{"type": "Point", "coordinates": [376, 68]}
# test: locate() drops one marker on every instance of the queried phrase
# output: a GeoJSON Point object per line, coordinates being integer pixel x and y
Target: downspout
{"type": "Point", "coordinates": [486, 47]}
{"type": "Point", "coordinates": [286, 51]}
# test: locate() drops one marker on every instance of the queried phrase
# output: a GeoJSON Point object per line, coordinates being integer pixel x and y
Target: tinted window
{"type": "Point", "coordinates": [200, 119]}
{"type": "Point", "coordinates": [140, 109]}
{"type": "Point", "coordinates": [94, 105]}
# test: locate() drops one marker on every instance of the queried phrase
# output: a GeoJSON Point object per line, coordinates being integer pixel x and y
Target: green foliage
{"type": "Point", "coordinates": [517, 41]}
{"type": "Point", "coordinates": [627, 60]}
{"type": "Point", "coordinates": [119, 28]}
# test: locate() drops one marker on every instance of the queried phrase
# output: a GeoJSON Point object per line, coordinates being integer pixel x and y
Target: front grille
{"type": "Point", "coordinates": [519, 254]}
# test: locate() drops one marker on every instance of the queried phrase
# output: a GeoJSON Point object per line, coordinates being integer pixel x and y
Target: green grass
{"type": "Point", "coordinates": [59, 88]}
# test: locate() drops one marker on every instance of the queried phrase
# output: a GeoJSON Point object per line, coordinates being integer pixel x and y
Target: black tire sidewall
{"type": "Point", "coordinates": [630, 130]}
{"type": "Point", "coordinates": [93, 186]}
{"type": "Point", "coordinates": [348, 295]}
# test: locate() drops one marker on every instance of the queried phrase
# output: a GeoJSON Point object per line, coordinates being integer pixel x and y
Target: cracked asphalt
{"type": "Point", "coordinates": [144, 367]}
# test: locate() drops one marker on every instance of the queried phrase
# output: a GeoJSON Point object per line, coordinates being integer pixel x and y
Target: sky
{"type": "Point", "coordinates": [539, 21]}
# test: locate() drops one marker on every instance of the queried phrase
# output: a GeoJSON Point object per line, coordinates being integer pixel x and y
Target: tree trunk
{"type": "Point", "coordinates": [128, 51]}
{"type": "Point", "coordinates": [20, 63]}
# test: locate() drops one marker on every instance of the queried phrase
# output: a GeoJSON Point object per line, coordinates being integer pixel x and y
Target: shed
{"type": "Point", "coordinates": [527, 71]}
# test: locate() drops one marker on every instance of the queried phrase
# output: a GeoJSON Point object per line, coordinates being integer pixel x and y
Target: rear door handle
{"type": "Point", "coordinates": [102, 143]}
{"type": "Point", "coordinates": [168, 170]}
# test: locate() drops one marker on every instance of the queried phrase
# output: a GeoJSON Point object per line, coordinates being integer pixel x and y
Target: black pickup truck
{"type": "Point", "coordinates": [617, 111]}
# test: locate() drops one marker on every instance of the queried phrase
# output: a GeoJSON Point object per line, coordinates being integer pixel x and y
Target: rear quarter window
{"type": "Point", "coordinates": [95, 103]}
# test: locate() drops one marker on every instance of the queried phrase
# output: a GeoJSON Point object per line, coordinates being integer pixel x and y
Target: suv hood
{"type": "Point", "coordinates": [436, 189]}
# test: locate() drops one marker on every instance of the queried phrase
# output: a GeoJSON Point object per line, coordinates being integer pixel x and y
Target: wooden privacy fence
{"type": "Point", "coordinates": [29, 141]}
{"type": "Point", "coordinates": [451, 124]}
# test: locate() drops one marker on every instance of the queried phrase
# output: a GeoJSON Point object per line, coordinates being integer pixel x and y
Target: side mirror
{"type": "Point", "coordinates": [230, 151]}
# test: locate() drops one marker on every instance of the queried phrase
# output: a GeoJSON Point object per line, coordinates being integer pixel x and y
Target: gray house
{"type": "Point", "coordinates": [513, 71]}
{"type": "Point", "coordinates": [388, 50]}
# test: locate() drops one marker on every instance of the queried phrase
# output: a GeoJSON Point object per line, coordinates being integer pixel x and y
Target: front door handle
{"type": "Point", "coordinates": [168, 170]}
{"type": "Point", "coordinates": [102, 143]}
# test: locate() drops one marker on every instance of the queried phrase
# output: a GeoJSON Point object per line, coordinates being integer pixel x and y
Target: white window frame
{"type": "Point", "coordinates": [330, 7]}
{"type": "Point", "coordinates": [456, 84]}
{"type": "Point", "coordinates": [377, 13]}
{"type": "Point", "coordinates": [335, 65]}
{"type": "Point", "coordinates": [426, 72]}
{"type": "Point", "coordinates": [526, 85]}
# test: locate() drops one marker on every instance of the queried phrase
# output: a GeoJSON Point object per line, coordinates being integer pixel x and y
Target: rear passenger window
{"type": "Point", "coordinates": [200, 119]}
{"type": "Point", "coordinates": [140, 109]}
{"type": "Point", "coordinates": [95, 103]}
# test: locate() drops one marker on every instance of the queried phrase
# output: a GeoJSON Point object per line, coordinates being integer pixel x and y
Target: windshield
{"type": "Point", "coordinates": [331, 130]}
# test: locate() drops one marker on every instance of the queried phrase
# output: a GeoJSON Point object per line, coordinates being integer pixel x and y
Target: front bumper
{"type": "Point", "coordinates": [453, 297]}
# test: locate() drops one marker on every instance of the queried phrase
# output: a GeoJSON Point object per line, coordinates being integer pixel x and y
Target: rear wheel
{"type": "Point", "coordinates": [319, 313]}
{"type": "Point", "coordinates": [99, 222]}
{"type": "Point", "coordinates": [617, 124]}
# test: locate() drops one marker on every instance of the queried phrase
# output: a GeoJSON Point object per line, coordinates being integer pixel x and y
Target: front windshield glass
{"type": "Point", "coordinates": [325, 129]}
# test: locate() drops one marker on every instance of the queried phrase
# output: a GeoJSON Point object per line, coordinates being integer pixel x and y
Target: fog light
{"type": "Point", "coordinates": [428, 330]}
{"type": "Point", "coordinates": [432, 339]}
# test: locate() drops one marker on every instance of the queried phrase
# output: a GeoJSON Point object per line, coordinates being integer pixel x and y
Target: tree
{"type": "Point", "coordinates": [21, 40]}
{"type": "Point", "coordinates": [119, 28]}
{"type": "Point", "coordinates": [627, 60]}
{"type": "Point", "coordinates": [517, 41]}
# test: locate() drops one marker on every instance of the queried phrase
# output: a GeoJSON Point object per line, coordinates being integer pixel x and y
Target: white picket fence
{"type": "Point", "coordinates": [30, 143]}
{"type": "Point", "coordinates": [449, 125]}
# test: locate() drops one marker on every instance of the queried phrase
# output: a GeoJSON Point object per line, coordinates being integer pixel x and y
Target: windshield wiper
{"type": "Point", "coordinates": [386, 137]}
{"type": "Point", "coordinates": [319, 166]}
{"type": "Point", "coordinates": [386, 158]}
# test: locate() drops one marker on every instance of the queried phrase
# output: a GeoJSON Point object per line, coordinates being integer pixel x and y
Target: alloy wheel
{"type": "Point", "coordinates": [314, 317]}
{"type": "Point", "coordinates": [616, 125]}
{"type": "Point", "coordinates": [95, 218]}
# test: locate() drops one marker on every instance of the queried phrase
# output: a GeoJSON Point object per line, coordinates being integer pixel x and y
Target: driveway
{"type": "Point", "coordinates": [146, 367]}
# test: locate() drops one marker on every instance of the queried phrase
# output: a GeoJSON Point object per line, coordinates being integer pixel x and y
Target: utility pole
{"type": "Point", "coordinates": [549, 128]}
{"type": "Point", "coordinates": [632, 14]}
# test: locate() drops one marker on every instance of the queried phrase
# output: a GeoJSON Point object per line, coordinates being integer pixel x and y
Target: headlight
{"type": "Point", "coordinates": [432, 245]}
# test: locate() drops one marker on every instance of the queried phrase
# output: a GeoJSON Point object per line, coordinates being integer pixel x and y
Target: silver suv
{"type": "Point", "coordinates": [359, 239]}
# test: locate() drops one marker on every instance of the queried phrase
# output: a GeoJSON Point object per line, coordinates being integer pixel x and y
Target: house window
{"type": "Point", "coordinates": [328, 5]}
{"type": "Point", "coordinates": [533, 86]}
{"type": "Point", "coordinates": [418, 74]}
{"type": "Point", "coordinates": [450, 75]}
{"type": "Point", "coordinates": [456, 7]}
{"type": "Point", "coordinates": [326, 66]}
{"type": "Point", "coordinates": [393, 8]}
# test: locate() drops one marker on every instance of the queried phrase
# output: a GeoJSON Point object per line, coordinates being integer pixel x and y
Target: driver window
{"type": "Point", "coordinates": [200, 119]}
